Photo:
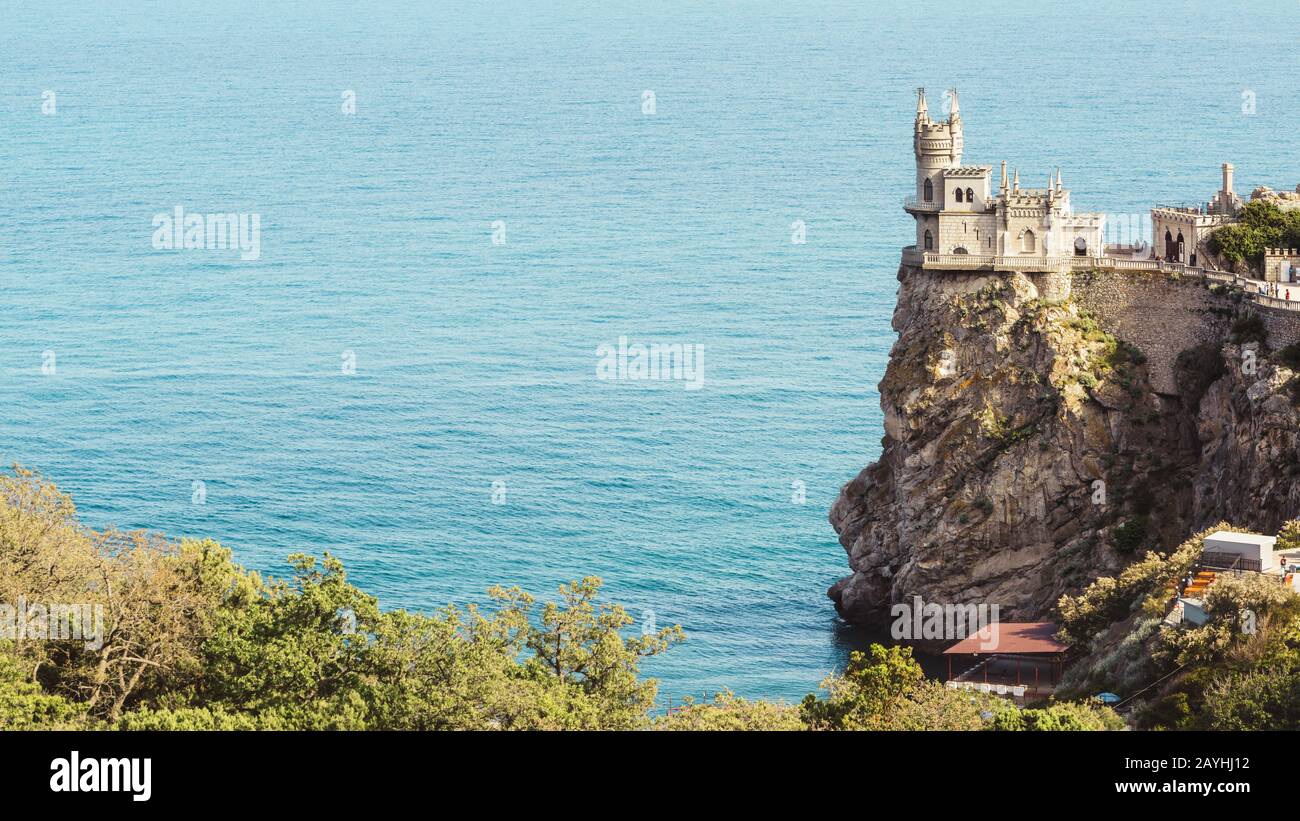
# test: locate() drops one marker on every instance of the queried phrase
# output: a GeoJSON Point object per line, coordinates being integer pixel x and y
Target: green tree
{"type": "Point", "coordinates": [729, 712]}
{"type": "Point", "coordinates": [864, 696]}
{"type": "Point", "coordinates": [24, 706]}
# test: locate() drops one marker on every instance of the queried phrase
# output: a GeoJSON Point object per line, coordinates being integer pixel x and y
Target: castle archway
{"type": "Point", "coordinates": [1081, 247]}
{"type": "Point", "coordinates": [1028, 242]}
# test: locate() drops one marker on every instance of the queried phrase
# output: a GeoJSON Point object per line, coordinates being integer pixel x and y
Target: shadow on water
{"type": "Point", "coordinates": [849, 637]}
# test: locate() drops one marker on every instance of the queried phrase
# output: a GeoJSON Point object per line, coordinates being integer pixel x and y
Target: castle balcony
{"type": "Point", "coordinates": [1026, 262]}
{"type": "Point", "coordinates": [913, 205]}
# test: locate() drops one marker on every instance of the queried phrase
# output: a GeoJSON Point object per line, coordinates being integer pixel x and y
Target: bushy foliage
{"type": "Point", "coordinates": [1139, 586]}
{"type": "Point", "coordinates": [1239, 609]}
{"type": "Point", "coordinates": [728, 712]}
{"type": "Point", "coordinates": [1289, 537]}
{"type": "Point", "coordinates": [24, 706]}
{"type": "Point", "coordinates": [1239, 670]}
{"type": "Point", "coordinates": [1131, 534]}
{"type": "Point", "coordinates": [1261, 225]}
{"type": "Point", "coordinates": [1060, 716]}
{"type": "Point", "coordinates": [1290, 356]}
{"type": "Point", "coordinates": [885, 689]}
{"type": "Point", "coordinates": [1125, 667]}
{"type": "Point", "coordinates": [1249, 328]}
{"type": "Point", "coordinates": [192, 641]}
{"type": "Point", "coordinates": [1265, 698]}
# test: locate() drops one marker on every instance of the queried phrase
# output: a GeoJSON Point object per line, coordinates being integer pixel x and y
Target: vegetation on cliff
{"type": "Point", "coordinates": [1240, 670]}
{"type": "Point", "coordinates": [192, 641]}
{"type": "Point", "coordinates": [1261, 225]}
{"type": "Point", "coordinates": [1028, 443]}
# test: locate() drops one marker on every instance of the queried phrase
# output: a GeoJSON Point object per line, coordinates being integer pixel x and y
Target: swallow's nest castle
{"type": "Point", "coordinates": [967, 232]}
{"type": "Point", "coordinates": [958, 213]}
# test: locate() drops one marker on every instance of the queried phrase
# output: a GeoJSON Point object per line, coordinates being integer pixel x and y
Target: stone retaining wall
{"type": "Point", "coordinates": [1159, 313]}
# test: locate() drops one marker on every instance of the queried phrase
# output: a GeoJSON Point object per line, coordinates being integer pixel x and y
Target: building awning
{"type": "Point", "coordinates": [1021, 637]}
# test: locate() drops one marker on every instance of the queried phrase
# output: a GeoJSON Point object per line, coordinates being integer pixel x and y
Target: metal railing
{"type": "Point", "coordinates": [916, 204]}
{"type": "Point", "coordinates": [1229, 562]}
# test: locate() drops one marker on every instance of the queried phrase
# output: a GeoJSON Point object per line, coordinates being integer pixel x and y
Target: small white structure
{"type": "Point", "coordinates": [1281, 264]}
{"type": "Point", "coordinates": [1191, 611]}
{"type": "Point", "coordinates": [1245, 551]}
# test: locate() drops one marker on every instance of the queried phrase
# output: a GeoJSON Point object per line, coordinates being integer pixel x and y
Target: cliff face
{"type": "Point", "coordinates": [1026, 452]}
{"type": "Point", "coordinates": [1249, 433]}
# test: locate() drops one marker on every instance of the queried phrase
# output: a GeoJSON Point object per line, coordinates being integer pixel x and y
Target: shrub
{"type": "Point", "coordinates": [1249, 328]}
{"type": "Point", "coordinates": [1290, 356]}
{"type": "Point", "coordinates": [1108, 600]}
{"type": "Point", "coordinates": [1130, 535]}
{"type": "Point", "coordinates": [1171, 712]}
{"type": "Point", "coordinates": [728, 712]}
{"type": "Point", "coordinates": [1261, 225]}
{"type": "Point", "coordinates": [1071, 716]}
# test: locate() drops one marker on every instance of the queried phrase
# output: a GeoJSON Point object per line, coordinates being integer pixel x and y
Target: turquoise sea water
{"type": "Point", "coordinates": [476, 362]}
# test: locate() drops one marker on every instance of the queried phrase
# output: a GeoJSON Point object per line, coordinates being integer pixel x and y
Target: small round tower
{"type": "Point", "coordinates": [937, 145]}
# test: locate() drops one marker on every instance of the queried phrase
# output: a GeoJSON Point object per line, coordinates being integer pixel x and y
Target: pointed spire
{"type": "Point", "coordinates": [922, 112]}
{"type": "Point", "coordinates": [1004, 175]}
{"type": "Point", "coordinates": [955, 112]}
{"type": "Point", "coordinates": [1058, 179]}
{"type": "Point", "coordinates": [1016, 183]}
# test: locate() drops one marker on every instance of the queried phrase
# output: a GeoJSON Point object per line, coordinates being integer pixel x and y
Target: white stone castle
{"type": "Point", "coordinates": [957, 212]}
{"type": "Point", "coordinates": [962, 223]}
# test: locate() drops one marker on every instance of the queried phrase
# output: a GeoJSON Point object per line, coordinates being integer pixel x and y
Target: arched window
{"type": "Point", "coordinates": [958, 195]}
{"type": "Point", "coordinates": [1180, 246]}
{"type": "Point", "coordinates": [959, 250]}
{"type": "Point", "coordinates": [1170, 250]}
{"type": "Point", "coordinates": [929, 191]}
{"type": "Point", "coordinates": [1028, 242]}
{"type": "Point", "coordinates": [929, 241]}
{"type": "Point", "coordinates": [970, 195]}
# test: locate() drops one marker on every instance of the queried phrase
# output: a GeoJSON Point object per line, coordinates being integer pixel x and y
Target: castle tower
{"type": "Point", "coordinates": [1226, 202]}
{"type": "Point", "coordinates": [937, 146]}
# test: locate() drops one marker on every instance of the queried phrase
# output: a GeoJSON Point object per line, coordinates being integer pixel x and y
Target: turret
{"type": "Point", "coordinates": [1225, 202]}
{"type": "Point", "coordinates": [937, 146]}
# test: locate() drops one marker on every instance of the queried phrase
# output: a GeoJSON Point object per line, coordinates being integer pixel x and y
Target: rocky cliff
{"type": "Point", "coordinates": [1026, 451]}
